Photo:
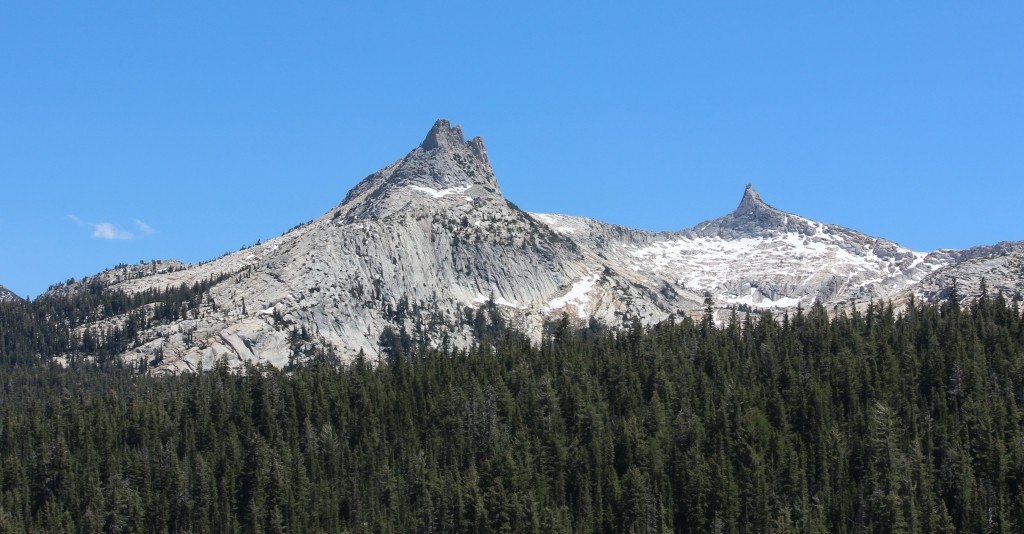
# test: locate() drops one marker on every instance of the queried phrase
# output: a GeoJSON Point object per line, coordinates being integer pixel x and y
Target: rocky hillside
{"type": "Point", "coordinates": [421, 248]}
{"type": "Point", "coordinates": [7, 294]}
{"type": "Point", "coordinates": [1000, 268]}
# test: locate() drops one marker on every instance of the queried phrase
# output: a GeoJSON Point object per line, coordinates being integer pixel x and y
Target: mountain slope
{"type": "Point", "coordinates": [758, 256]}
{"type": "Point", "coordinates": [425, 238]}
{"type": "Point", "coordinates": [7, 294]}
{"type": "Point", "coordinates": [418, 249]}
{"type": "Point", "coordinates": [1000, 267]}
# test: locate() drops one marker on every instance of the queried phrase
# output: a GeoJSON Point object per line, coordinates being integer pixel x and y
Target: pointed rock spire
{"type": "Point", "coordinates": [753, 217]}
{"type": "Point", "coordinates": [476, 144]}
{"type": "Point", "coordinates": [444, 165]}
{"type": "Point", "coordinates": [442, 134]}
{"type": "Point", "coordinates": [751, 200]}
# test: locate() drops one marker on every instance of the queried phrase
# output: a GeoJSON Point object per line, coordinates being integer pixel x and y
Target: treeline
{"type": "Point", "coordinates": [866, 422]}
{"type": "Point", "coordinates": [49, 325]}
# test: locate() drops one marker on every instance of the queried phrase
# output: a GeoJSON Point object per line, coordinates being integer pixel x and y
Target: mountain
{"type": "Point", "coordinates": [7, 294]}
{"type": "Point", "coordinates": [418, 250]}
{"type": "Point", "coordinates": [763, 257]}
{"type": "Point", "coordinates": [1000, 267]}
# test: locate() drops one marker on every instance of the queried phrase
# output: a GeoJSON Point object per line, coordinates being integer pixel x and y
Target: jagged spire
{"type": "Point", "coordinates": [442, 134]}
{"type": "Point", "coordinates": [753, 217]}
{"type": "Point", "coordinates": [443, 163]}
{"type": "Point", "coordinates": [751, 200]}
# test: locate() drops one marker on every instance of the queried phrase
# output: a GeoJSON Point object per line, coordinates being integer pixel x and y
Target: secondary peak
{"type": "Point", "coordinates": [751, 199]}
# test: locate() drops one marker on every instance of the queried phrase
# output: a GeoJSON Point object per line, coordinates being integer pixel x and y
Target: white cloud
{"type": "Point", "coordinates": [104, 230]}
{"type": "Point", "coordinates": [145, 228]}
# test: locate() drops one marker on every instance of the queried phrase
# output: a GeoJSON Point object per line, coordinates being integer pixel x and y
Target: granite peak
{"type": "Point", "coordinates": [418, 245]}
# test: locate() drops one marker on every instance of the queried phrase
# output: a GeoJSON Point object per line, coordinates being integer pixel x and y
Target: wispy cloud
{"type": "Point", "coordinates": [145, 228]}
{"type": "Point", "coordinates": [104, 230]}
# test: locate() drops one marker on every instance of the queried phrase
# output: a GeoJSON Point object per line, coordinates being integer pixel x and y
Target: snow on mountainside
{"type": "Point", "coordinates": [419, 245]}
{"type": "Point", "coordinates": [758, 256]}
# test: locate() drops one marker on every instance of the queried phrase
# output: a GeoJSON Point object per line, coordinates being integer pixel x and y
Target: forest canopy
{"type": "Point", "coordinates": [855, 421]}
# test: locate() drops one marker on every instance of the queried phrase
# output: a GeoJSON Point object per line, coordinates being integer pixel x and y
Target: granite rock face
{"type": "Point", "coordinates": [429, 241]}
{"type": "Point", "coordinates": [423, 241]}
{"type": "Point", "coordinates": [1000, 268]}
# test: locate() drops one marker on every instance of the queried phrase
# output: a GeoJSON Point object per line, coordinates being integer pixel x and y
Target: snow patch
{"type": "Point", "coordinates": [544, 218]}
{"type": "Point", "coordinates": [765, 302]}
{"type": "Point", "coordinates": [500, 301]}
{"type": "Point", "coordinates": [576, 296]}
{"type": "Point", "coordinates": [480, 299]}
{"type": "Point", "coordinates": [711, 263]}
{"type": "Point", "coordinates": [442, 192]}
{"type": "Point", "coordinates": [558, 223]}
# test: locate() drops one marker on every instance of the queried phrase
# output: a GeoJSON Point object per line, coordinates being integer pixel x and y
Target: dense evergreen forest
{"type": "Point", "coordinates": [867, 421]}
{"type": "Point", "coordinates": [49, 325]}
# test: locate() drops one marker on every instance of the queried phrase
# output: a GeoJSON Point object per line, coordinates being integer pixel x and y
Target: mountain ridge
{"type": "Point", "coordinates": [7, 294]}
{"type": "Point", "coordinates": [429, 241]}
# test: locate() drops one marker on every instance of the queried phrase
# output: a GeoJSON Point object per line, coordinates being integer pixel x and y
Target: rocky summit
{"type": "Point", "coordinates": [424, 245]}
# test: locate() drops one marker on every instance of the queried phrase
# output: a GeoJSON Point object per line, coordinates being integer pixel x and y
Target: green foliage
{"type": "Point", "coordinates": [53, 325]}
{"type": "Point", "coordinates": [866, 422]}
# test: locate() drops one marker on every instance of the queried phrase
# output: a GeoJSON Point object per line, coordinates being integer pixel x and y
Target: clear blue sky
{"type": "Point", "coordinates": [131, 131]}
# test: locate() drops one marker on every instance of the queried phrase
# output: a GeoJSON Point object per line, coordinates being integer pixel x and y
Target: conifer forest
{"type": "Point", "coordinates": [823, 421]}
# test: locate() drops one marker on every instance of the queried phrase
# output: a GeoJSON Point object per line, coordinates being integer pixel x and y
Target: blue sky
{"type": "Point", "coordinates": [132, 131]}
